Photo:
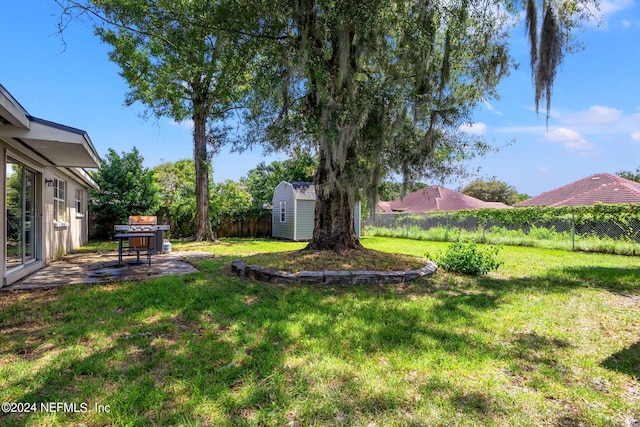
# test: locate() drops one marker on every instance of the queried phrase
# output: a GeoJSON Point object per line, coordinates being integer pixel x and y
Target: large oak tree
{"type": "Point", "coordinates": [179, 63]}
{"type": "Point", "coordinates": [382, 86]}
{"type": "Point", "coordinates": [375, 86]}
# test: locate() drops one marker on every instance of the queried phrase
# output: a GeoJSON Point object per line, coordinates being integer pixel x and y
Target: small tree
{"type": "Point", "coordinates": [262, 180]}
{"type": "Point", "coordinates": [177, 184]}
{"type": "Point", "coordinates": [126, 188]}
{"type": "Point", "coordinates": [493, 191]}
{"type": "Point", "coordinates": [381, 87]}
{"type": "Point", "coordinates": [633, 176]}
{"type": "Point", "coordinates": [229, 198]}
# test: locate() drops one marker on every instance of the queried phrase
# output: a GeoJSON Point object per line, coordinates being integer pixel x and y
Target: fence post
{"type": "Point", "coordinates": [406, 226]}
{"type": "Point", "coordinates": [446, 233]}
{"type": "Point", "coordinates": [573, 231]}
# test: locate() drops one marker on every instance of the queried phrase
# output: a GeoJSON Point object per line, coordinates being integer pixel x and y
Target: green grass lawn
{"type": "Point", "coordinates": [551, 338]}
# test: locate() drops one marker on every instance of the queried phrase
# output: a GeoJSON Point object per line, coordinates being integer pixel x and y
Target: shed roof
{"type": "Point", "coordinates": [304, 190]}
{"type": "Point", "coordinates": [597, 188]}
{"type": "Point", "coordinates": [438, 198]}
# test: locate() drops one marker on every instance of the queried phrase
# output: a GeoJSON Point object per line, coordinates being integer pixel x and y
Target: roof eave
{"type": "Point", "coordinates": [63, 146]}
{"type": "Point", "coordinates": [11, 110]}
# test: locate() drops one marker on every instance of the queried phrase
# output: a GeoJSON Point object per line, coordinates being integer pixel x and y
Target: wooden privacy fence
{"type": "Point", "coordinates": [249, 223]}
{"type": "Point", "coordinates": [230, 226]}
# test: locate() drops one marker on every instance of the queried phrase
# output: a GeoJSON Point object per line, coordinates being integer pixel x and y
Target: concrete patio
{"type": "Point", "coordinates": [104, 268]}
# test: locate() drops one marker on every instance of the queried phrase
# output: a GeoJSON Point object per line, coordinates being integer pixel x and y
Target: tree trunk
{"type": "Point", "coordinates": [203, 223]}
{"type": "Point", "coordinates": [336, 196]}
{"type": "Point", "coordinates": [333, 89]}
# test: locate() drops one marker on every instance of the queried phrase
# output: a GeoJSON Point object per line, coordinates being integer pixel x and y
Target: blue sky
{"type": "Point", "coordinates": [594, 125]}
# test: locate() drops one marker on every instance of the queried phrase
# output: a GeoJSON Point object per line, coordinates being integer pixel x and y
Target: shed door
{"type": "Point", "coordinates": [305, 210]}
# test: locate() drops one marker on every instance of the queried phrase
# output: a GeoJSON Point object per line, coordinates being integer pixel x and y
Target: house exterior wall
{"type": "Point", "coordinates": [3, 214]}
{"type": "Point", "coordinates": [51, 239]}
{"type": "Point", "coordinates": [34, 154]}
{"type": "Point", "coordinates": [283, 230]}
{"type": "Point", "coordinates": [61, 238]}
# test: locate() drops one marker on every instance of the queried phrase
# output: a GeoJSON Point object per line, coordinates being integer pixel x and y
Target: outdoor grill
{"type": "Point", "coordinates": [145, 224]}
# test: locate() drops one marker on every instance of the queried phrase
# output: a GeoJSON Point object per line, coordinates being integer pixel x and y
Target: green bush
{"type": "Point", "coordinates": [468, 258]}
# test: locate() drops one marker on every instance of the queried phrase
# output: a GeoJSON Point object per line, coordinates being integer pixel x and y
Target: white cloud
{"type": "Point", "coordinates": [513, 130]}
{"type": "Point", "coordinates": [625, 23]}
{"type": "Point", "coordinates": [595, 123]}
{"type": "Point", "coordinates": [596, 114]}
{"type": "Point", "coordinates": [564, 134]}
{"type": "Point", "coordinates": [491, 108]}
{"type": "Point", "coordinates": [572, 141]}
{"type": "Point", "coordinates": [635, 135]}
{"type": "Point", "coordinates": [473, 128]}
{"type": "Point", "coordinates": [607, 8]}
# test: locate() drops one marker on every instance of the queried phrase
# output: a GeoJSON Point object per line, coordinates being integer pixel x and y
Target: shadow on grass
{"type": "Point", "coordinates": [211, 349]}
{"type": "Point", "coordinates": [626, 361]}
{"type": "Point", "coordinates": [622, 281]}
{"type": "Point", "coordinates": [235, 243]}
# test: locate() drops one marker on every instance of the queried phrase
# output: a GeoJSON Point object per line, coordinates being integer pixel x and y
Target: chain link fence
{"type": "Point", "coordinates": [607, 235]}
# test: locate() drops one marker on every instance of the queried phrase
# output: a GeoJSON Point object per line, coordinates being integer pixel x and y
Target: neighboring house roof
{"type": "Point", "coordinates": [56, 144]}
{"type": "Point", "coordinates": [304, 190]}
{"type": "Point", "coordinates": [439, 199]}
{"type": "Point", "coordinates": [383, 207]}
{"type": "Point", "coordinates": [597, 188]}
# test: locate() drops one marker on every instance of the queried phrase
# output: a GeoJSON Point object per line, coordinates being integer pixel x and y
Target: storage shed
{"type": "Point", "coordinates": [293, 212]}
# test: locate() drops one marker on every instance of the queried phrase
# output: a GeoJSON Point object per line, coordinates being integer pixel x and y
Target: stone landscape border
{"type": "Point", "coordinates": [327, 277]}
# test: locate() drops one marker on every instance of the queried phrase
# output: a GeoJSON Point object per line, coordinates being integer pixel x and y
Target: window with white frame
{"type": "Point", "coordinates": [59, 200]}
{"type": "Point", "coordinates": [79, 211]}
{"type": "Point", "coordinates": [283, 211]}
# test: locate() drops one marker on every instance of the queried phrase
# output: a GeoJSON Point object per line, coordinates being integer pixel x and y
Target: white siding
{"type": "Point", "coordinates": [305, 212]}
{"type": "Point", "coordinates": [283, 230]}
{"type": "Point", "coordinates": [62, 238]}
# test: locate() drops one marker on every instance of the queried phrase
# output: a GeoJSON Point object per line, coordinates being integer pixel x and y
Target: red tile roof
{"type": "Point", "coordinates": [601, 187]}
{"type": "Point", "coordinates": [383, 207]}
{"type": "Point", "coordinates": [437, 199]}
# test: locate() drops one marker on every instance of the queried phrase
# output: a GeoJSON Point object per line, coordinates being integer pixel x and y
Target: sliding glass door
{"type": "Point", "coordinates": [21, 215]}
